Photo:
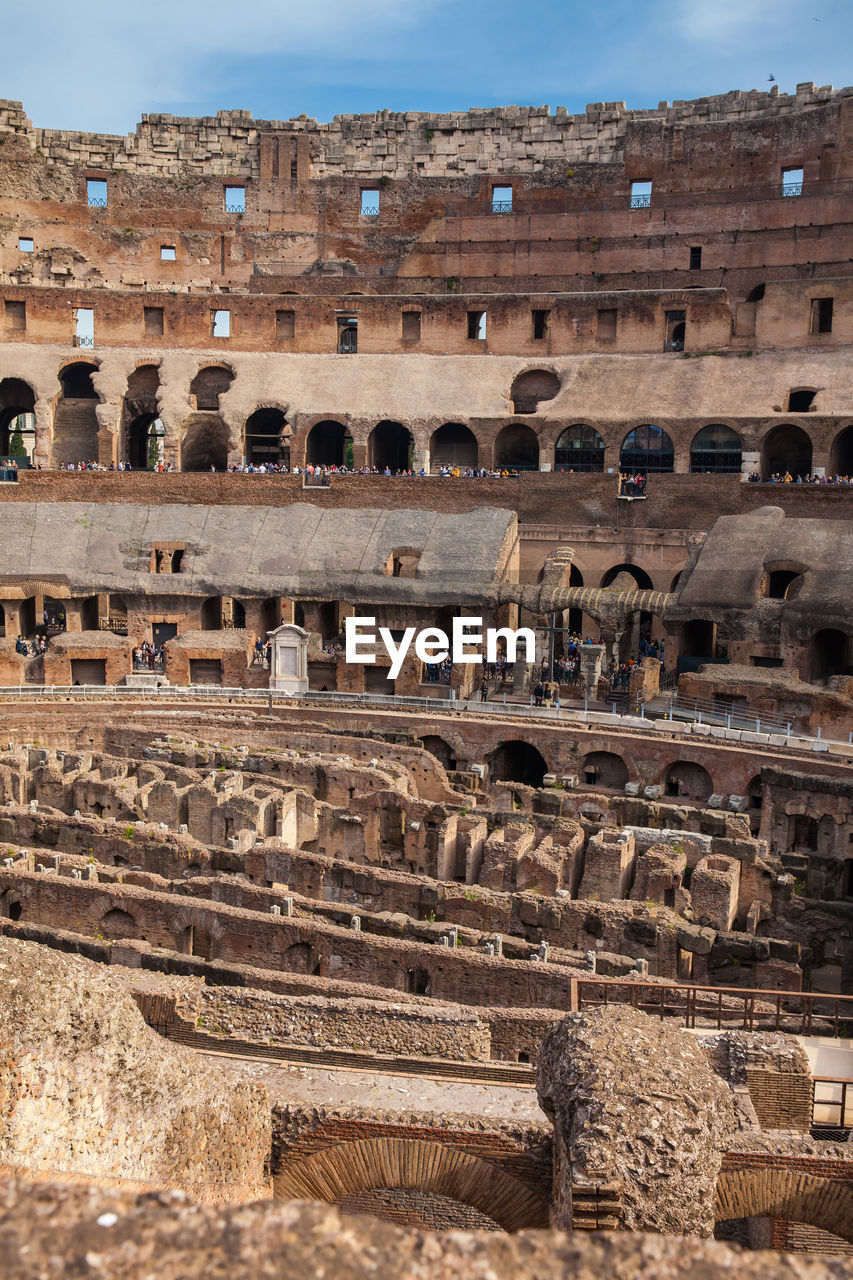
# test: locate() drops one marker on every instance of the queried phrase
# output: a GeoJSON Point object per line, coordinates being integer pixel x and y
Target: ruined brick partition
{"type": "Point", "coordinates": [792, 1189]}
{"type": "Point", "coordinates": [439, 1176]}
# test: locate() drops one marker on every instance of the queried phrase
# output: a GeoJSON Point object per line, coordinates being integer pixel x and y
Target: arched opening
{"type": "Point", "coordinates": [327, 445]}
{"type": "Point", "coordinates": [270, 615]}
{"type": "Point", "coordinates": [647, 448]}
{"type": "Point", "coordinates": [579, 448]}
{"type": "Point", "coordinates": [782, 584]}
{"type": "Point", "coordinates": [790, 1195]}
{"type": "Point", "coordinates": [442, 750]}
{"type": "Point", "coordinates": [146, 442]}
{"type": "Point", "coordinates": [210, 614]}
{"type": "Point", "coordinates": [830, 654]}
{"type": "Point", "coordinates": [517, 761]}
{"type": "Point", "coordinates": [688, 781]}
{"type": "Point", "coordinates": [517, 448]}
{"type": "Point", "coordinates": [16, 910]}
{"type": "Point", "coordinates": [54, 614]}
{"type": "Point", "coordinates": [17, 419]}
{"type": "Point", "coordinates": [300, 958]}
{"type": "Point", "coordinates": [801, 400]}
{"type": "Point", "coordinates": [453, 445]}
{"type": "Point", "coordinates": [716, 448]}
{"type": "Point", "coordinates": [118, 924]}
{"type": "Point", "coordinates": [427, 1167]}
{"type": "Point", "coordinates": [841, 457]}
{"type": "Point", "coordinates": [676, 580]}
{"type": "Point", "coordinates": [786, 449]}
{"type": "Point", "coordinates": [205, 443]}
{"type": "Point", "coordinates": [27, 616]}
{"type": "Point", "coordinates": [76, 380]}
{"type": "Point", "coordinates": [390, 447]}
{"type": "Point", "coordinates": [604, 769]}
{"type": "Point", "coordinates": [640, 577]}
{"type": "Point", "coordinates": [208, 385]}
{"type": "Point", "coordinates": [533, 387]}
{"type": "Point", "coordinates": [267, 437]}
{"type": "Point", "coordinates": [75, 421]}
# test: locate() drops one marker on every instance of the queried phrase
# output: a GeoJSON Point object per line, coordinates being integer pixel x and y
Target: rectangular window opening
{"type": "Point", "coordinates": [16, 315]}
{"type": "Point", "coordinates": [369, 202]}
{"type": "Point", "coordinates": [96, 193]}
{"type": "Point", "coordinates": [411, 326]}
{"type": "Point", "coordinates": [25, 244]}
{"type": "Point", "coordinates": [696, 258]}
{"type": "Point", "coordinates": [153, 317]}
{"type": "Point", "coordinates": [476, 325]}
{"type": "Point", "coordinates": [501, 199]}
{"type": "Point", "coordinates": [235, 199]}
{"type": "Point", "coordinates": [792, 182]}
{"type": "Point", "coordinates": [641, 195]}
{"type": "Point", "coordinates": [285, 324]}
{"type": "Point", "coordinates": [347, 335]}
{"type": "Point", "coordinates": [821, 318]}
{"type": "Point", "coordinates": [220, 324]}
{"type": "Point", "coordinates": [84, 327]}
{"type": "Point", "coordinates": [541, 327]}
{"type": "Point", "coordinates": [167, 253]}
{"type": "Point", "coordinates": [676, 330]}
{"type": "Point", "coordinates": [607, 324]}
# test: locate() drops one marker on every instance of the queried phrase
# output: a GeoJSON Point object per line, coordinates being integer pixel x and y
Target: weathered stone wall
{"type": "Point", "coordinates": [636, 1105]}
{"type": "Point", "coordinates": [86, 1087]}
{"type": "Point", "coordinates": [411, 1031]}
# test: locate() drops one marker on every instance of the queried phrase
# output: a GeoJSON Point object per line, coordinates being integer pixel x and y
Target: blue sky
{"type": "Point", "coordinates": [102, 66]}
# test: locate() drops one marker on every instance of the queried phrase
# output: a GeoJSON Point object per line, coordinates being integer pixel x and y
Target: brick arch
{"type": "Point", "coordinates": [786, 1193]}
{"type": "Point", "coordinates": [352, 1167]}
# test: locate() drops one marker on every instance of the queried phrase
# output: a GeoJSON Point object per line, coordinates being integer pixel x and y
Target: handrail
{"type": "Point", "coordinates": [685, 1001]}
{"type": "Point", "coordinates": [843, 1103]}
{"type": "Point", "coordinates": [393, 701]}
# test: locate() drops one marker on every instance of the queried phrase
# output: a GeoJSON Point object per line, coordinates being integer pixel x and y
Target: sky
{"type": "Point", "coordinates": [98, 68]}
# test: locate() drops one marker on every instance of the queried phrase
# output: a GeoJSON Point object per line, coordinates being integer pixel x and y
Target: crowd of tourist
{"type": "Point", "coordinates": [780, 477]}
{"type": "Point", "coordinates": [148, 657]}
{"type": "Point", "coordinates": [31, 648]}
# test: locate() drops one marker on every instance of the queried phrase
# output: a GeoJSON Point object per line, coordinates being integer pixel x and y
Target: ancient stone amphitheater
{"type": "Point", "coordinates": [310, 969]}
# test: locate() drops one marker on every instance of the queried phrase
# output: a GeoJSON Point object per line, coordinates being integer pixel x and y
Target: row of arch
{"type": "Point", "coordinates": [520, 761]}
{"type": "Point", "coordinates": [205, 442]}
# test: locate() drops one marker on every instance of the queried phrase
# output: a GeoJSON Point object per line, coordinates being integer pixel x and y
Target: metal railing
{"type": "Point", "coordinates": [83, 340]}
{"type": "Point", "coordinates": [832, 1105]}
{"type": "Point", "coordinates": [802, 1013]}
{"type": "Point", "coordinates": [232, 208]}
{"type": "Point", "coordinates": [713, 711]}
{"type": "Point", "coordinates": [95, 202]}
{"type": "Point", "coordinates": [498, 707]}
{"type": "Point", "coordinates": [501, 206]}
{"type": "Point", "coordinates": [640, 202]}
{"type": "Point", "coordinates": [370, 211]}
{"type": "Point", "coordinates": [792, 188]}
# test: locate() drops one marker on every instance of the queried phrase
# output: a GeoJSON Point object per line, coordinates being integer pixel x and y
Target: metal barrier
{"type": "Point", "coordinates": [390, 701]}
{"type": "Point", "coordinates": [802, 1013]}
{"type": "Point", "coordinates": [832, 1113]}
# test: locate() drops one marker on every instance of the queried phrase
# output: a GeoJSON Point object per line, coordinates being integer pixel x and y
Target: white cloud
{"type": "Point", "coordinates": [125, 58]}
{"type": "Point", "coordinates": [723, 22]}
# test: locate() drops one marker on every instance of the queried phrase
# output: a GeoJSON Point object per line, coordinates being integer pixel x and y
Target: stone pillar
{"type": "Point", "coordinates": [591, 658]}
{"type": "Point", "coordinates": [43, 432]}
{"type": "Point", "coordinates": [73, 615]}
